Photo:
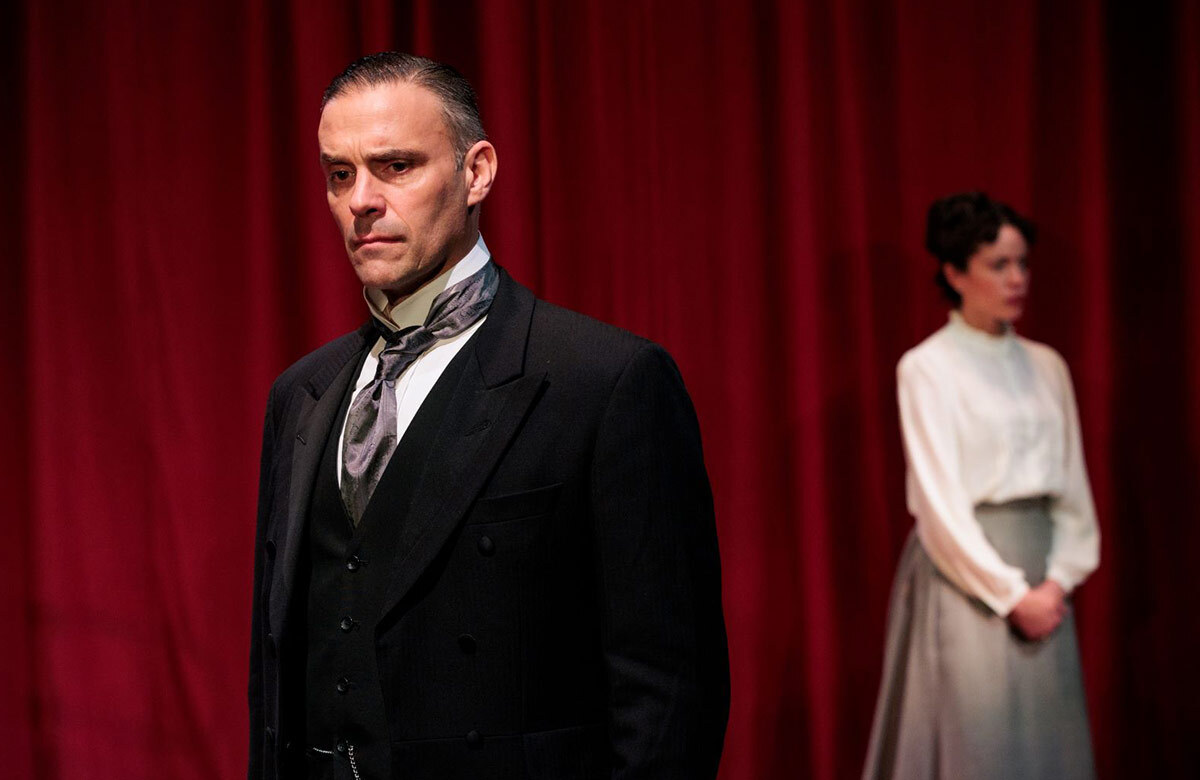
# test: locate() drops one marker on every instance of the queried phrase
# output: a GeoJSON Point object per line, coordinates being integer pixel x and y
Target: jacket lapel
{"type": "Point", "coordinates": [319, 404]}
{"type": "Point", "coordinates": [485, 412]}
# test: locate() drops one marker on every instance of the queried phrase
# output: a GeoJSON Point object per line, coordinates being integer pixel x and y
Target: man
{"type": "Point", "coordinates": [485, 542]}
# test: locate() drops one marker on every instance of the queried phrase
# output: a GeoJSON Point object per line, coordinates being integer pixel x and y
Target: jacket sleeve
{"type": "Point", "coordinates": [255, 688]}
{"type": "Point", "coordinates": [658, 572]}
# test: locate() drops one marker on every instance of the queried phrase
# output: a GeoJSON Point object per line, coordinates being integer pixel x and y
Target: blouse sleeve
{"type": "Point", "coordinates": [946, 523]}
{"type": "Point", "coordinates": [1075, 551]}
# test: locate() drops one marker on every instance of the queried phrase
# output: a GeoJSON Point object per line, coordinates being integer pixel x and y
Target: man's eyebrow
{"type": "Point", "coordinates": [384, 155]}
{"type": "Point", "coordinates": [380, 155]}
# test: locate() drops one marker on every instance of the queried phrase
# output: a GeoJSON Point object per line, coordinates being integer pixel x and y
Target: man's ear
{"type": "Point", "coordinates": [479, 169]}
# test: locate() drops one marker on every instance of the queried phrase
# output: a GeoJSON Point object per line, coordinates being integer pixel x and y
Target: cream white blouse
{"type": "Point", "coordinates": [990, 419]}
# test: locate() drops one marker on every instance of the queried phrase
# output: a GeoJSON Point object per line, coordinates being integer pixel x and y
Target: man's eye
{"type": "Point", "coordinates": [398, 167]}
{"type": "Point", "coordinates": [339, 176]}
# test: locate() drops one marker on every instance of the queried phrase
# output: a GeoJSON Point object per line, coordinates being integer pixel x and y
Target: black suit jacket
{"type": "Point", "coordinates": [564, 521]}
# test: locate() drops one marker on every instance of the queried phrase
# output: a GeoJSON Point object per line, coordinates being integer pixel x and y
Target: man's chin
{"type": "Point", "coordinates": [380, 273]}
{"type": "Point", "coordinates": [396, 279]}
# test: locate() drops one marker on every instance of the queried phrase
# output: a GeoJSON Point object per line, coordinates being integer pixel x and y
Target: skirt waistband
{"type": "Point", "coordinates": [1030, 504]}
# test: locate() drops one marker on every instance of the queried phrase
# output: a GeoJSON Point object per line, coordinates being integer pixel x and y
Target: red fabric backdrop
{"type": "Point", "coordinates": [744, 182]}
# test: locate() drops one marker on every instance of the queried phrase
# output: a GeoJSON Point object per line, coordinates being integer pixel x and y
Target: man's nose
{"type": "Point", "coordinates": [366, 199]}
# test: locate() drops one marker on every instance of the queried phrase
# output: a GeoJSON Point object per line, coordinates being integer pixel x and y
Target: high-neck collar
{"type": "Point", "coordinates": [980, 340]}
{"type": "Point", "coordinates": [413, 309]}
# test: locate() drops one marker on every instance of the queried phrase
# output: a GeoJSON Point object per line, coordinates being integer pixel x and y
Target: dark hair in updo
{"type": "Point", "coordinates": [958, 224]}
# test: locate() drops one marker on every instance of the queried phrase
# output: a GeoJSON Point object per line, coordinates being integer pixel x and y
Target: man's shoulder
{"type": "Point", "coordinates": [575, 341]}
{"type": "Point", "coordinates": [331, 354]}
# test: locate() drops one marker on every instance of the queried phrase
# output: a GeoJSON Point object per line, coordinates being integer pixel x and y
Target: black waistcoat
{"type": "Point", "coordinates": [348, 574]}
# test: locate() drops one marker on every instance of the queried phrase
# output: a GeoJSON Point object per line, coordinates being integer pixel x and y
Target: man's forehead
{"type": "Point", "coordinates": [383, 115]}
{"type": "Point", "coordinates": [393, 100]}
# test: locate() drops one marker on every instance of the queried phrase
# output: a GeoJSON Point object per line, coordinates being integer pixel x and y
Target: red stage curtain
{"type": "Point", "coordinates": [744, 182]}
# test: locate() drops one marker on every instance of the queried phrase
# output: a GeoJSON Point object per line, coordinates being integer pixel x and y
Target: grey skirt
{"type": "Point", "coordinates": [962, 695]}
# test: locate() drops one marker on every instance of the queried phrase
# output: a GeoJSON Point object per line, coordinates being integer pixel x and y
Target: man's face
{"type": "Point", "coordinates": [393, 186]}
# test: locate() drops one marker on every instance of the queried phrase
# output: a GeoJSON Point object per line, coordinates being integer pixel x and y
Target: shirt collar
{"type": "Point", "coordinates": [413, 309]}
{"type": "Point", "coordinates": [977, 339]}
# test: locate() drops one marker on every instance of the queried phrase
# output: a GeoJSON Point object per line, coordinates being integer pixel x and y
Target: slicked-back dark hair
{"type": "Point", "coordinates": [459, 105]}
{"type": "Point", "coordinates": [958, 224]}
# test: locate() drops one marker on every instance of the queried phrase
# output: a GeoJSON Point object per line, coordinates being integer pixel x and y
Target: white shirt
{"type": "Point", "coordinates": [990, 419]}
{"type": "Point", "coordinates": [415, 382]}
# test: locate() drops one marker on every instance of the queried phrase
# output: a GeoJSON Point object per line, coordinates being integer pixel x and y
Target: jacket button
{"type": "Point", "coordinates": [353, 562]}
{"type": "Point", "coordinates": [467, 644]}
{"type": "Point", "coordinates": [473, 737]}
{"type": "Point", "coordinates": [347, 624]}
{"type": "Point", "coordinates": [343, 686]}
{"type": "Point", "coordinates": [342, 746]}
{"type": "Point", "coordinates": [486, 546]}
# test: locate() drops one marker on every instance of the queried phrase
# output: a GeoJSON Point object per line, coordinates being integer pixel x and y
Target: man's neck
{"type": "Point", "coordinates": [460, 252]}
{"type": "Point", "coordinates": [400, 310]}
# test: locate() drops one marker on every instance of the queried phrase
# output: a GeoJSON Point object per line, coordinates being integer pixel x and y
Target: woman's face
{"type": "Point", "coordinates": [994, 286]}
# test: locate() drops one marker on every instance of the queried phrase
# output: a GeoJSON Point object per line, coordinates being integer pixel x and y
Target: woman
{"type": "Point", "coordinates": [981, 671]}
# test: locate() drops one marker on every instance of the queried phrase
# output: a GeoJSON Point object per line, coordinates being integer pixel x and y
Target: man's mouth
{"type": "Point", "coordinates": [372, 238]}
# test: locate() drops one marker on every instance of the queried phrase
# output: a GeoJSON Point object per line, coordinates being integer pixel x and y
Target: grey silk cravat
{"type": "Point", "coordinates": [370, 437]}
